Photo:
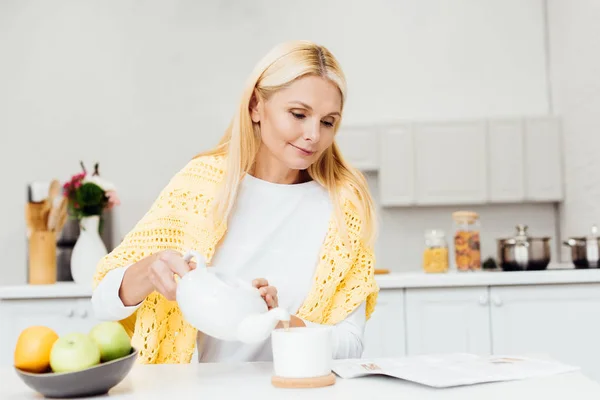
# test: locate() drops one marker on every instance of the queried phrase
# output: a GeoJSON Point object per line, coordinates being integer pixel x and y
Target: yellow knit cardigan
{"type": "Point", "coordinates": [179, 220]}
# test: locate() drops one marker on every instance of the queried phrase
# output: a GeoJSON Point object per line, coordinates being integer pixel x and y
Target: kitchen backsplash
{"type": "Point", "coordinates": [401, 238]}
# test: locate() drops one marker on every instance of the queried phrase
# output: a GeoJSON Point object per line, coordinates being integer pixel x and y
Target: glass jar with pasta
{"type": "Point", "coordinates": [467, 245]}
{"type": "Point", "coordinates": [435, 255]}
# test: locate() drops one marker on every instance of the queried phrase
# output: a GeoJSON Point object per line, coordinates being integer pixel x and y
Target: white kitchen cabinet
{"type": "Point", "coordinates": [450, 163]}
{"type": "Point", "coordinates": [562, 321]}
{"type": "Point", "coordinates": [505, 161]}
{"type": "Point", "coordinates": [487, 161]}
{"type": "Point", "coordinates": [543, 159]}
{"type": "Point", "coordinates": [445, 320]}
{"type": "Point", "coordinates": [64, 315]}
{"type": "Point", "coordinates": [360, 146]}
{"type": "Point", "coordinates": [385, 330]}
{"type": "Point", "coordinates": [396, 171]}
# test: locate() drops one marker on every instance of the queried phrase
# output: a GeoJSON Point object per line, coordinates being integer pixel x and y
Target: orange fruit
{"type": "Point", "coordinates": [32, 352]}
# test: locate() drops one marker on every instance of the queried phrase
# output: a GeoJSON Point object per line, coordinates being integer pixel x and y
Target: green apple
{"type": "Point", "coordinates": [112, 340]}
{"type": "Point", "coordinates": [74, 352]}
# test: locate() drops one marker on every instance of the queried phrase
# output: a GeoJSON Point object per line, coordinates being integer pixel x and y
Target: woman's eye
{"type": "Point", "coordinates": [298, 116]}
{"type": "Point", "coordinates": [327, 123]}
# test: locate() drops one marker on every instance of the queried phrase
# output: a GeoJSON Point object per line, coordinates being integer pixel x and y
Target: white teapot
{"type": "Point", "coordinates": [223, 306]}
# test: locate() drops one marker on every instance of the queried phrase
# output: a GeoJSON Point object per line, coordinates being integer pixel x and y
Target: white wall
{"type": "Point", "coordinates": [574, 32]}
{"type": "Point", "coordinates": [141, 86]}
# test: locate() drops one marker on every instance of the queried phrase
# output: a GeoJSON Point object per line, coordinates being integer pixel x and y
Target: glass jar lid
{"type": "Point", "coordinates": [435, 233]}
{"type": "Point", "coordinates": [435, 237]}
{"type": "Point", "coordinates": [465, 216]}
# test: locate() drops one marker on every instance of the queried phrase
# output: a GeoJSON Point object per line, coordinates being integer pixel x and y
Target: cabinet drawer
{"type": "Point", "coordinates": [447, 320]}
{"type": "Point", "coordinates": [62, 315]}
{"type": "Point", "coordinates": [560, 321]}
{"type": "Point", "coordinates": [385, 331]}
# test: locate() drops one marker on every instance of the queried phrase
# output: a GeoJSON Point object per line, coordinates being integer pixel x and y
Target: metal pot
{"type": "Point", "coordinates": [585, 249]}
{"type": "Point", "coordinates": [524, 253]}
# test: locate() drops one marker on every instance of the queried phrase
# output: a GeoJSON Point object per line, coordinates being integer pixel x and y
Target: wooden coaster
{"type": "Point", "coordinates": [303, 383]}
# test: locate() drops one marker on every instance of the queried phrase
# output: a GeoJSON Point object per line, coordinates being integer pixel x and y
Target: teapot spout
{"type": "Point", "coordinates": [258, 327]}
{"type": "Point", "coordinates": [278, 314]}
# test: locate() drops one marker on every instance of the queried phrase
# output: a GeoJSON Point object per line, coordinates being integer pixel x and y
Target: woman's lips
{"type": "Point", "coordinates": [303, 151]}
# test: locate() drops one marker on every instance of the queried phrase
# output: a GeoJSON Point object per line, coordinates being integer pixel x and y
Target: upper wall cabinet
{"type": "Point", "coordinates": [525, 160]}
{"type": "Point", "coordinates": [433, 164]}
{"type": "Point", "coordinates": [471, 162]}
{"type": "Point", "coordinates": [397, 172]}
{"type": "Point", "coordinates": [543, 160]}
{"type": "Point", "coordinates": [450, 163]}
{"type": "Point", "coordinates": [360, 146]}
{"type": "Point", "coordinates": [505, 161]}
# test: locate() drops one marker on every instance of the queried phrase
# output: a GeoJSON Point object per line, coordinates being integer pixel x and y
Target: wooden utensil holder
{"type": "Point", "coordinates": [42, 258]}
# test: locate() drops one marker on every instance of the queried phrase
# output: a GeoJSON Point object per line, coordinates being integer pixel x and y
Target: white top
{"type": "Point", "coordinates": [253, 380]}
{"type": "Point", "coordinates": [275, 232]}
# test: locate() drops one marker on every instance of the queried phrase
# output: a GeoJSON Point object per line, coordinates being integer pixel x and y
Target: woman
{"type": "Point", "coordinates": [274, 203]}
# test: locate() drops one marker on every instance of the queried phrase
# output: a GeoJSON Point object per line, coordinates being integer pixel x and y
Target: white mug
{"type": "Point", "coordinates": [302, 352]}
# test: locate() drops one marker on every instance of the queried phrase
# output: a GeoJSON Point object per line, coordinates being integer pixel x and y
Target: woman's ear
{"type": "Point", "coordinates": [255, 107]}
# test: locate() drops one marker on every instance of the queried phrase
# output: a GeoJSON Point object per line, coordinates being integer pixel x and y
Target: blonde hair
{"type": "Point", "coordinates": [283, 65]}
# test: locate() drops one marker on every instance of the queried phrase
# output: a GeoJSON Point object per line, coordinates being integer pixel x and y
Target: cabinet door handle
{"type": "Point", "coordinates": [497, 301]}
{"type": "Point", "coordinates": [70, 313]}
{"type": "Point", "coordinates": [83, 313]}
{"type": "Point", "coordinates": [483, 300]}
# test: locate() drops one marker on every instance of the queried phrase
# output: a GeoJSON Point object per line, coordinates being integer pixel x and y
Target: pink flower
{"type": "Point", "coordinates": [113, 199]}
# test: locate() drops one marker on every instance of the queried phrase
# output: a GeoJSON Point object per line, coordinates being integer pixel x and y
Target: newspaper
{"type": "Point", "coordinates": [448, 370]}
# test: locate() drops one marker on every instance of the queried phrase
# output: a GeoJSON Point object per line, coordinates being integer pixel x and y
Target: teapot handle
{"type": "Point", "coordinates": [194, 254]}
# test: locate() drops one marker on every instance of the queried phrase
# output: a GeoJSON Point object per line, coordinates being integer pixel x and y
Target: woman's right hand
{"type": "Point", "coordinates": [163, 269]}
{"type": "Point", "coordinates": [153, 273]}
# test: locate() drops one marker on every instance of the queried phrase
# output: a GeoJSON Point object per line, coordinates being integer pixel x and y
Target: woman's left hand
{"type": "Point", "coordinates": [268, 293]}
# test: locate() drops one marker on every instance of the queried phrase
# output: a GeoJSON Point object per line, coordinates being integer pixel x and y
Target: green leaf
{"type": "Point", "coordinates": [90, 199]}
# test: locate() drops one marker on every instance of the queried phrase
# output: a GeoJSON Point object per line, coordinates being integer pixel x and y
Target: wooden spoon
{"type": "Point", "coordinates": [62, 217]}
{"type": "Point", "coordinates": [56, 214]}
{"type": "Point", "coordinates": [53, 193]}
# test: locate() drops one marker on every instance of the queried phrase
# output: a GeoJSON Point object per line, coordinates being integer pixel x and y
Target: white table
{"type": "Point", "coordinates": [252, 380]}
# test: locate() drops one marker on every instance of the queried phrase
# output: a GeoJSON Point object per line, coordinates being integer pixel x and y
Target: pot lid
{"type": "Point", "coordinates": [521, 232]}
{"type": "Point", "coordinates": [593, 233]}
{"type": "Point", "coordinates": [523, 235]}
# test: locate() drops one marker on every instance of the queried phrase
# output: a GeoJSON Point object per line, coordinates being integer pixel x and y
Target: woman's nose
{"type": "Point", "coordinates": [313, 132]}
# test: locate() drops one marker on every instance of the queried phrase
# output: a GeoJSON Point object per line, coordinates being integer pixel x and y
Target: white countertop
{"type": "Point", "coordinates": [387, 281]}
{"type": "Point", "coordinates": [57, 290]}
{"type": "Point", "coordinates": [253, 380]}
{"type": "Point", "coordinates": [487, 278]}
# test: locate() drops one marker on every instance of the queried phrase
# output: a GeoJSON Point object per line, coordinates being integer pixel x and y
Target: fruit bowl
{"type": "Point", "coordinates": [92, 381]}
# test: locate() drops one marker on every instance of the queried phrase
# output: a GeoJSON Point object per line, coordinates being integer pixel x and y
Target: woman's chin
{"type": "Point", "coordinates": [299, 164]}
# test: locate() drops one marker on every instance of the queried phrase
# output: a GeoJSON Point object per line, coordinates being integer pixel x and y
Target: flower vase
{"type": "Point", "coordinates": [88, 251]}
